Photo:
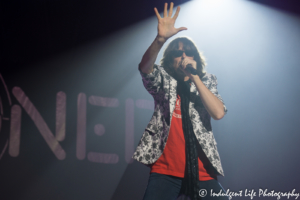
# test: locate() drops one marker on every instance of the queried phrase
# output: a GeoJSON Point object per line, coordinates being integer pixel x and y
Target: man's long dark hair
{"type": "Point", "coordinates": [188, 44]}
{"type": "Point", "coordinates": [190, 183]}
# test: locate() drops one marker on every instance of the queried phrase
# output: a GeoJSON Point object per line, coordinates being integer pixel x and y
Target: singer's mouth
{"type": "Point", "coordinates": [179, 71]}
{"type": "Point", "coordinates": [179, 68]}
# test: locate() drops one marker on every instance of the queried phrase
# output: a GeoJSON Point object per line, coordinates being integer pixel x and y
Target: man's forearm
{"type": "Point", "coordinates": [212, 104]}
{"type": "Point", "coordinates": [148, 60]}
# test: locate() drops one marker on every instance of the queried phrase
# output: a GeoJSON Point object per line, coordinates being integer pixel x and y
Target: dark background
{"type": "Point", "coordinates": [94, 47]}
{"type": "Point", "coordinates": [32, 31]}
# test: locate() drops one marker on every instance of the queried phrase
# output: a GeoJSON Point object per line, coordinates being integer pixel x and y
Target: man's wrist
{"type": "Point", "coordinates": [161, 40]}
{"type": "Point", "coordinates": [195, 78]}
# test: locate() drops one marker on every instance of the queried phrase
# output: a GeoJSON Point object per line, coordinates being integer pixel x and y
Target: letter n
{"type": "Point", "coordinates": [38, 120]}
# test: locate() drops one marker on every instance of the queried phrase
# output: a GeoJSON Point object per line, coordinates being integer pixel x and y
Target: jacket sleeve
{"type": "Point", "coordinates": [152, 81]}
{"type": "Point", "coordinates": [214, 90]}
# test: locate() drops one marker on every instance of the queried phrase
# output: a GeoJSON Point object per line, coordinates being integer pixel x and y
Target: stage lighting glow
{"type": "Point", "coordinates": [252, 49]}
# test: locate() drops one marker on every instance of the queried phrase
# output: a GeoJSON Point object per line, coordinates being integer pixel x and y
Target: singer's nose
{"type": "Point", "coordinates": [183, 56]}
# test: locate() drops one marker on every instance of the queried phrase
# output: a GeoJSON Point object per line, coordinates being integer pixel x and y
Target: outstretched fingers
{"type": "Point", "coordinates": [166, 10]}
{"type": "Point", "coordinates": [165, 14]}
{"type": "Point", "coordinates": [157, 14]}
{"type": "Point", "coordinates": [166, 23]}
{"type": "Point", "coordinates": [176, 13]}
{"type": "Point", "coordinates": [171, 9]}
{"type": "Point", "coordinates": [181, 29]}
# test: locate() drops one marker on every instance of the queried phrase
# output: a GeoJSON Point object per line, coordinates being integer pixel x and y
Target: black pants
{"type": "Point", "coordinates": [165, 187]}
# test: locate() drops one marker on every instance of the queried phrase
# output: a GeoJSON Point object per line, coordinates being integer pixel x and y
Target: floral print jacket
{"type": "Point", "coordinates": [162, 87]}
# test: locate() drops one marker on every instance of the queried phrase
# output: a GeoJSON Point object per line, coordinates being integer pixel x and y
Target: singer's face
{"type": "Point", "coordinates": [177, 62]}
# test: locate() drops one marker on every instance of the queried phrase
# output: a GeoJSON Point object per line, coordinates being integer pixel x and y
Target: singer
{"type": "Point", "coordinates": [178, 143]}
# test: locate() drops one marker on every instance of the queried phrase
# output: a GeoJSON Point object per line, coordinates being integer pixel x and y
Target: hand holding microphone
{"type": "Point", "coordinates": [188, 66]}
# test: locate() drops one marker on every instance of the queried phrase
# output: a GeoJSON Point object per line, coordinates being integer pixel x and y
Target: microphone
{"type": "Point", "coordinates": [191, 69]}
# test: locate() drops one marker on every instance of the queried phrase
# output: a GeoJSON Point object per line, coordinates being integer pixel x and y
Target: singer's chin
{"type": "Point", "coordinates": [180, 74]}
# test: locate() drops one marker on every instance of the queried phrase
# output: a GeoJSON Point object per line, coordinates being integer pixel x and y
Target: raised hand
{"type": "Point", "coordinates": [166, 27]}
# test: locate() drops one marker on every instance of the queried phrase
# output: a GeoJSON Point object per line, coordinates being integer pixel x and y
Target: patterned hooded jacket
{"type": "Point", "coordinates": [162, 87]}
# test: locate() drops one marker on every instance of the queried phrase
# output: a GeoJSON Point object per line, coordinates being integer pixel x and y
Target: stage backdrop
{"type": "Point", "coordinates": [70, 124]}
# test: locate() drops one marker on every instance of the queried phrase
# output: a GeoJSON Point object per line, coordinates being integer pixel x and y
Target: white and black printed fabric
{"type": "Point", "coordinates": [162, 87]}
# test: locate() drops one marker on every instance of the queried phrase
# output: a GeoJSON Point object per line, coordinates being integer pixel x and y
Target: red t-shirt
{"type": "Point", "coordinates": [172, 160]}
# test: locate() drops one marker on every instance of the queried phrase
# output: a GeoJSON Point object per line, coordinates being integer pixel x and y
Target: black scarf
{"type": "Point", "coordinates": [190, 183]}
